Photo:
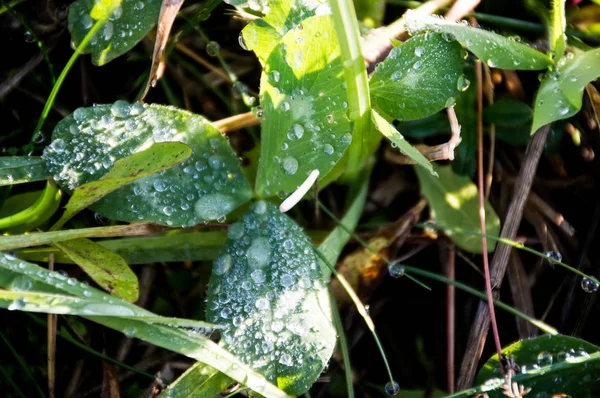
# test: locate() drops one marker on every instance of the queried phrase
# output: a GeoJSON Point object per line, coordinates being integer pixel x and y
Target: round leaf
{"type": "Point", "coordinates": [266, 289]}
{"type": "Point", "coordinates": [126, 23]}
{"type": "Point", "coordinates": [549, 365]}
{"type": "Point", "coordinates": [419, 78]}
{"type": "Point", "coordinates": [207, 186]}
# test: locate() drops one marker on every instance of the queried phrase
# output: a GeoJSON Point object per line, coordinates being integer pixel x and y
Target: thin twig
{"type": "Point", "coordinates": [450, 320]}
{"type": "Point", "coordinates": [492, 132]}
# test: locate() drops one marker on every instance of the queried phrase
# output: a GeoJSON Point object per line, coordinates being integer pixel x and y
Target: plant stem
{"type": "Point", "coordinates": [343, 343]}
{"type": "Point", "coordinates": [355, 73]}
{"type": "Point", "coordinates": [50, 102]}
{"type": "Point", "coordinates": [49, 197]}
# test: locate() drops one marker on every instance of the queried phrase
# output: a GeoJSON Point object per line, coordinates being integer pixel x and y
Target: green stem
{"type": "Point", "coordinates": [539, 324]}
{"type": "Point", "coordinates": [355, 73]}
{"type": "Point", "coordinates": [47, 200]}
{"type": "Point", "coordinates": [337, 322]}
{"type": "Point", "coordinates": [508, 242]}
{"type": "Point", "coordinates": [50, 102]}
{"type": "Point", "coordinates": [360, 307]}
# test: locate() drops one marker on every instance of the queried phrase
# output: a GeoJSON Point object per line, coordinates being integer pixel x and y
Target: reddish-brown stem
{"type": "Point", "coordinates": [480, 184]}
{"type": "Point", "coordinates": [450, 294]}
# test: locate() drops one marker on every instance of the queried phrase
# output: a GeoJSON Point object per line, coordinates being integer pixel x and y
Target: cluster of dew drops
{"type": "Point", "coordinates": [588, 285]}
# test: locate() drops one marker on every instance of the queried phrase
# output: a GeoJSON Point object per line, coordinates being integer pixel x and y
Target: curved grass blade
{"type": "Point", "coordinates": [22, 169]}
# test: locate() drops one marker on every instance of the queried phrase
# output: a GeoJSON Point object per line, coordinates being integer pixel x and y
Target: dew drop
{"type": "Point", "coordinates": [260, 207]}
{"type": "Point", "coordinates": [214, 206]}
{"type": "Point", "coordinates": [419, 51]}
{"type": "Point", "coordinates": [492, 63]}
{"type": "Point", "coordinates": [262, 303]}
{"type": "Point", "coordinates": [259, 253]}
{"type": "Point", "coordinates": [392, 388]}
{"type": "Point", "coordinates": [275, 75]}
{"type": "Point", "coordinates": [16, 304]}
{"type": "Point", "coordinates": [544, 358]}
{"type": "Point", "coordinates": [139, 5]}
{"type": "Point", "coordinates": [329, 118]}
{"type": "Point", "coordinates": [462, 83]}
{"type": "Point", "coordinates": [290, 165]}
{"type": "Point", "coordinates": [29, 37]}
{"type": "Point", "coordinates": [417, 65]}
{"type": "Point", "coordinates": [258, 276]}
{"type": "Point", "coordinates": [58, 145]}
{"type": "Point", "coordinates": [328, 149]}
{"type": "Point", "coordinates": [160, 185]}
{"type": "Point", "coordinates": [213, 48]}
{"type": "Point", "coordinates": [396, 76]}
{"type": "Point", "coordinates": [120, 109]}
{"type": "Point", "coordinates": [554, 255]}
{"type": "Point", "coordinates": [21, 283]}
{"type": "Point", "coordinates": [236, 231]}
{"type": "Point", "coordinates": [296, 131]}
{"type": "Point", "coordinates": [242, 42]}
{"type": "Point", "coordinates": [396, 270]}
{"type": "Point", "coordinates": [589, 286]}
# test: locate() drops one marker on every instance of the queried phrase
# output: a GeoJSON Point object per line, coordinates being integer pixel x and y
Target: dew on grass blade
{"type": "Point", "coordinates": [589, 286]}
{"type": "Point", "coordinates": [554, 255]}
{"type": "Point", "coordinates": [396, 270]}
{"type": "Point", "coordinates": [392, 388]}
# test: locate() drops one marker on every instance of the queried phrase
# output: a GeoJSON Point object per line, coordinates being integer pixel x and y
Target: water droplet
{"type": "Point", "coordinates": [262, 303]}
{"type": "Point", "coordinates": [419, 51]}
{"type": "Point", "coordinates": [396, 76]}
{"type": "Point", "coordinates": [328, 149]}
{"type": "Point", "coordinates": [329, 118]}
{"type": "Point", "coordinates": [347, 139]}
{"type": "Point", "coordinates": [58, 145]}
{"type": "Point", "coordinates": [236, 231]}
{"type": "Point", "coordinates": [259, 112]}
{"type": "Point", "coordinates": [392, 388]}
{"type": "Point", "coordinates": [462, 83]}
{"type": "Point", "coordinates": [290, 165]}
{"type": "Point", "coordinates": [275, 74]}
{"type": "Point", "coordinates": [213, 206]}
{"type": "Point", "coordinates": [589, 286]}
{"type": "Point", "coordinates": [492, 63]}
{"type": "Point", "coordinates": [396, 270]}
{"type": "Point", "coordinates": [160, 185]}
{"type": "Point", "coordinates": [120, 109]}
{"type": "Point", "coordinates": [16, 304]}
{"type": "Point", "coordinates": [286, 359]}
{"type": "Point", "coordinates": [213, 48]}
{"type": "Point", "coordinates": [260, 207]}
{"type": "Point", "coordinates": [417, 65]}
{"type": "Point", "coordinates": [129, 332]}
{"type": "Point", "coordinates": [296, 131]}
{"type": "Point", "coordinates": [29, 37]}
{"type": "Point", "coordinates": [544, 359]}
{"type": "Point", "coordinates": [259, 253]}
{"type": "Point", "coordinates": [553, 255]}
{"type": "Point", "coordinates": [87, 293]}
{"type": "Point", "coordinates": [258, 276]}
{"type": "Point", "coordinates": [108, 30]}
{"type": "Point", "coordinates": [21, 283]}
{"type": "Point", "coordinates": [563, 110]}
{"type": "Point", "coordinates": [242, 42]}
{"type": "Point", "coordinates": [139, 5]}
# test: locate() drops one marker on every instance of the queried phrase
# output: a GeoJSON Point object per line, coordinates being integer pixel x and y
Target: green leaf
{"type": "Point", "coordinates": [175, 246]}
{"type": "Point", "coordinates": [427, 127]}
{"type": "Point", "coordinates": [390, 132]}
{"type": "Point", "coordinates": [454, 202]}
{"type": "Point", "coordinates": [199, 381]}
{"type": "Point", "coordinates": [419, 78]}
{"type": "Point", "coordinates": [207, 186]}
{"type": "Point", "coordinates": [495, 50]}
{"type": "Point", "coordinates": [550, 365]}
{"type": "Point", "coordinates": [106, 268]}
{"type": "Point", "coordinates": [266, 288]}
{"type": "Point", "coordinates": [550, 103]}
{"type": "Point", "coordinates": [158, 157]}
{"type": "Point", "coordinates": [576, 73]}
{"type": "Point", "coordinates": [304, 123]}
{"type": "Point", "coordinates": [126, 22]}
{"type": "Point", "coordinates": [560, 94]}
{"type": "Point", "coordinates": [25, 215]}
{"type": "Point", "coordinates": [263, 35]}
{"type": "Point", "coordinates": [36, 289]}
{"type": "Point", "coordinates": [22, 169]}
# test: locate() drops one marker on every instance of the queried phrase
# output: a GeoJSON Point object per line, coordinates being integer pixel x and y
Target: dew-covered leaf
{"type": "Point", "coordinates": [419, 78]}
{"type": "Point", "coordinates": [454, 202]}
{"type": "Point", "coordinates": [263, 35]}
{"type": "Point", "coordinates": [390, 132]}
{"type": "Point", "coordinates": [126, 22]}
{"type": "Point", "coordinates": [549, 365]}
{"type": "Point", "coordinates": [22, 169]}
{"type": "Point", "coordinates": [207, 186]}
{"type": "Point", "coordinates": [304, 123]}
{"type": "Point", "coordinates": [158, 157]}
{"type": "Point", "coordinates": [495, 50]}
{"type": "Point", "coordinates": [576, 73]}
{"type": "Point", "coordinates": [106, 268]}
{"type": "Point", "coordinates": [550, 104]}
{"type": "Point", "coordinates": [32, 288]}
{"type": "Point", "coordinates": [199, 381]}
{"type": "Point", "coordinates": [267, 289]}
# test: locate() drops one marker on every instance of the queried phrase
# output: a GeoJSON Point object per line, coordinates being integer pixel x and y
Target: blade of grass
{"type": "Point", "coordinates": [343, 344]}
